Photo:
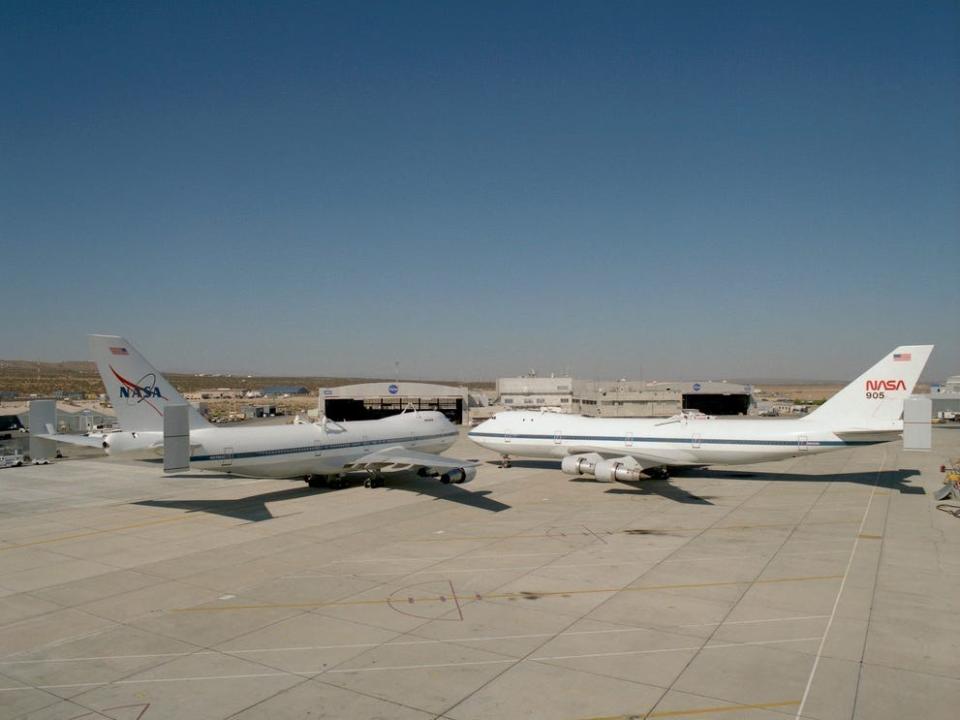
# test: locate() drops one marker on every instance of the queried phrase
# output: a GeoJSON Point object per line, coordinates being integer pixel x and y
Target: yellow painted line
{"type": "Point", "coordinates": [864, 536]}
{"type": "Point", "coordinates": [699, 711]}
{"type": "Point", "coordinates": [89, 533]}
{"type": "Point", "coordinates": [585, 533]}
{"type": "Point", "coordinates": [522, 595]}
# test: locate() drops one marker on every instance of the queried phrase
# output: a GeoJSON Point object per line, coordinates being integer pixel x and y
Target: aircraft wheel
{"type": "Point", "coordinates": [317, 481]}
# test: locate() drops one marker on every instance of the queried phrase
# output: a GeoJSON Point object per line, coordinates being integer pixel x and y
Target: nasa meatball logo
{"type": "Point", "coordinates": [144, 390]}
{"type": "Point", "coordinates": [696, 387]}
{"type": "Point", "coordinates": [393, 389]}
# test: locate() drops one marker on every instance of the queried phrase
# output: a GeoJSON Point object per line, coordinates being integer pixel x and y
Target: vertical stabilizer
{"type": "Point", "coordinates": [136, 390]}
{"type": "Point", "coordinates": [875, 399]}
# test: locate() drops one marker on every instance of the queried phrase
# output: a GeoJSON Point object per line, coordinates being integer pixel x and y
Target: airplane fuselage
{"type": "Point", "coordinates": [286, 451]}
{"type": "Point", "coordinates": [675, 442]}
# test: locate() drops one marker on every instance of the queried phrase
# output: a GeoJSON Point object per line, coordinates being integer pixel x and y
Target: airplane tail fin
{"type": "Point", "coordinates": [875, 399]}
{"type": "Point", "coordinates": [136, 390]}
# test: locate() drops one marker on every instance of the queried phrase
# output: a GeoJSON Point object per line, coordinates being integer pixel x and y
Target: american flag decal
{"type": "Point", "coordinates": [901, 357]}
{"type": "Point", "coordinates": [119, 351]}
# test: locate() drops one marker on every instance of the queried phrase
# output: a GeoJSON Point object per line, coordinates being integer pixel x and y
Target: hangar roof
{"type": "Point", "coordinates": [397, 389]}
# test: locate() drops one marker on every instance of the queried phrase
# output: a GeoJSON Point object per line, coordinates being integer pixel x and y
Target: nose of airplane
{"type": "Point", "coordinates": [481, 431]}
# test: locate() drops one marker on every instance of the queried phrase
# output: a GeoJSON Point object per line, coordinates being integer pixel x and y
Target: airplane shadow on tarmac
{"type": "Point", "coordinates": [254, 507]}
{"type": "Point", "coordinates": [663, 488]}
{"type": "Point", "coordinates": [889, 479]}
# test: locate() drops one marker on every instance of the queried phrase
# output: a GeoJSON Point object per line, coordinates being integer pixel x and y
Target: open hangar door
{"type": "Point", "coordinates": [371, 401]}
{"type": "Point", "coordinates": [343, 409]}
{"type": "Point", "coordinates": [717, 404]}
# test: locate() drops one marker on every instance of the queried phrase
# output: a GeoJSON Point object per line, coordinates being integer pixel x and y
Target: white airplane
{"type": "Point", "coordinates": [318, 452]}
{"type": "Point", "coordinates": [865, 412]}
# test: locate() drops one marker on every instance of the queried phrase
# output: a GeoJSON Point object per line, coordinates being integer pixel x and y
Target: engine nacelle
{"type": "Point", "coordinates": [129, 443]}
{"type": "Point", "coordinates": [458, 475]}
{"type": "Point", "coordinates": [614, 470]}
{"type": "Point", "coordinates": [578, 464]}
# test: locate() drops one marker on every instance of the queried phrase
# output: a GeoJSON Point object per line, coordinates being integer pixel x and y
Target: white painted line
{"type": "Point", "coordinates": [843, 582]}
{"type": "Point", "coordinates": [389, 643]}
{"type": "Point", "coordinates": [414, 667]}
{"type": "Point", "coordinates": [752, 622]}
{"type": "Point", "coordinates": [506, 661]}
{"type": "Point", "coordinates": [676, 649]}
{"type": "Point", "coordinates": [446, 571]}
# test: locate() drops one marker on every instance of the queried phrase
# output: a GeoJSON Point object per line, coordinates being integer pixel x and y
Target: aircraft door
{"type": "Point", "coordinates": [557, 438]}
{"type": "Point", "coordinates": [629, 440]}
{"type": "Point", "coordinates": [507, 436]}
{"type": "Point", "coordinates": [317, 448]}
{"type": "Point", "coordinates": [802, 442]}
{"type": "Point", "coordinates": [695, 440]}
{"type": "Point", "coordinates": [226, 459]}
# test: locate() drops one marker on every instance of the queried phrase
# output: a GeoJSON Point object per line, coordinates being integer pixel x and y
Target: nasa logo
{"type": "Point", "coordinates": [696, 387]}
{"type": "Point", "coordinates": [139, 392]}
{"type": "Point", "coordinates": [145, 389]}
{"type": "Point", "coordinates": [393, 389]}
{"type": "Point", "coordinates": [873, 385]}
{"type": "Point", "coordinates": [328, 392]}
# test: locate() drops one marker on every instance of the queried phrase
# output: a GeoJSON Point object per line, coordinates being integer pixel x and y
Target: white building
{"type": "Point", "coordinates": [624, 398]}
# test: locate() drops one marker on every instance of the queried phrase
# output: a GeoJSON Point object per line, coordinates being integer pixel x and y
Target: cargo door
{"type": "Point", "coordinates": [226, 457]}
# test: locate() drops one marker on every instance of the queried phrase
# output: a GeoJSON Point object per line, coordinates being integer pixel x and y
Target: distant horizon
{"type": "Point", "coordinates": [481, 379]}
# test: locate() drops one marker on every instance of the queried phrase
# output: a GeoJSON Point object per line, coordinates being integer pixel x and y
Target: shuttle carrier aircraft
{"type": "Point", "coordinates": [317, 452]}
{"type": "Point", "coordinates": [866, 411]}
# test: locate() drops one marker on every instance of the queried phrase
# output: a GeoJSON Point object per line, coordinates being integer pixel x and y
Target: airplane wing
{"type": "Point", "coordinates": [84, 440]}
{"type": "Point", "coordinates": [398, 457]}
{"type": "Point", "coordinates": [641, 461]}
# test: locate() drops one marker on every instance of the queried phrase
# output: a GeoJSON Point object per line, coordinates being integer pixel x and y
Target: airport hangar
{"type": "Point", "coordinates": [370, 401]}
{"type": "Point", "coordinates": [624, 398]}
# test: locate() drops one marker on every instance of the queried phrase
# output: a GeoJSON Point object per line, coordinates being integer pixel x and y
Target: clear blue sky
{"type": "Point", "coordinates": [642, 189]}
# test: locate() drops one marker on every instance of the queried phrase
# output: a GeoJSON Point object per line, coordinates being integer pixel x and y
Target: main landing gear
{"type": "Point", "coordinates": [334, 482]}
{"type": "Point", "coordinates": [374, 481]}
{"type": "Point", "coordinates": [504, 461]}
{"type": "Point", "coordinates": [658, 473]}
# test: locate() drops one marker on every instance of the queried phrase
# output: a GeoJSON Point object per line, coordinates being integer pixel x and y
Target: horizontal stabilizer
{"type": "Point", "coordinates": [81, 440]}
{"type": "Point", "coordinates": [878, 436]}
{"type": "Point", "coordinates": [943, 493]}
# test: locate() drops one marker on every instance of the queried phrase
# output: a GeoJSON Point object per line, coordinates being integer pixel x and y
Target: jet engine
{"type": "Point", "coordinates": [458, 475]}
{"type": "Point", "coordinates": [615, 470]}
{"type": "Point", "coordinates": [579, 464]}
{"type": "Point", "coordinates": [131, 443]}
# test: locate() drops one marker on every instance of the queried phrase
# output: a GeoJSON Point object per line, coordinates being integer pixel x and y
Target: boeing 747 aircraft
{"type": "Point", "coordinates": [318, 452]}
{"type": "Point", "coordinates": [866, 411]}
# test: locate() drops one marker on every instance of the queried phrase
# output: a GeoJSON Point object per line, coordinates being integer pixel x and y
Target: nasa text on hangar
{"type": "Point", "coordinates": [369, 401]}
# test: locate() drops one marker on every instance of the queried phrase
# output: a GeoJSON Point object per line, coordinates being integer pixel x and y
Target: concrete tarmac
{"type": "Point", "coordinates": [823, 587]}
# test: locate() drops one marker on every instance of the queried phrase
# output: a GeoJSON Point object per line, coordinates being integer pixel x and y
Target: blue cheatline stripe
{"type": "Point", "coordinates": [686, 440]}
{"type": "Point", "coordinates": [316, 448]}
